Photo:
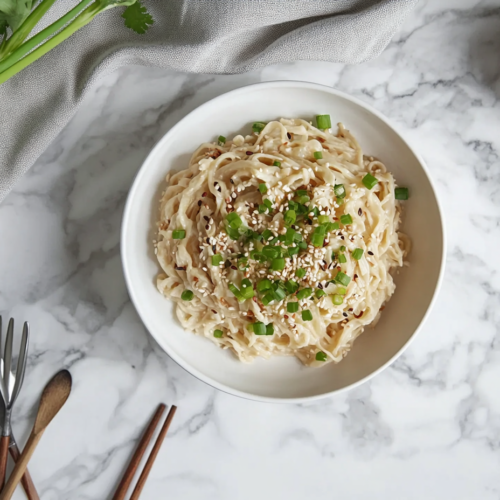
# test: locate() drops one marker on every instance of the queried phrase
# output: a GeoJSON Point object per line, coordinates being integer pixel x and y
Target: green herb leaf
{"type": "Point", "coordinates": [137, 18]}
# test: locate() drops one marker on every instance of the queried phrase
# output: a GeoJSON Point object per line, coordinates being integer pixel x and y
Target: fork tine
{"type": "Point", "coordinates": [7, 360]}
{"type": "Point", "coordinates": [21, 362]}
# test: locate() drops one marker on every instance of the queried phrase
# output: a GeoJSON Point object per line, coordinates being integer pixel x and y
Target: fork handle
{"type": "Point", "coordinates": [4, 451]}
{"type": "Point", "coordinates": [26, 481]}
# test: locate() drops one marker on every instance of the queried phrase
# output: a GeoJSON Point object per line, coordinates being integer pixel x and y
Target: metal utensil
{"type": "Point", "coordinates": [9, 394]}
{"type": "Point", "coordinates": [26, 481]}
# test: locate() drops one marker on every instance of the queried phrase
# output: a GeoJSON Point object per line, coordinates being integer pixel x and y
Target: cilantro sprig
{"type": "Point", "coordinates": [18, 18]}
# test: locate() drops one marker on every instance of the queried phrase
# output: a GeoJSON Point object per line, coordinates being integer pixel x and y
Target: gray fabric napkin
{"type": "Point", "coordinates": [202, 36]}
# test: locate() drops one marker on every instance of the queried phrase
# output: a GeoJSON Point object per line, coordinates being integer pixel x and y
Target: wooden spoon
{"type": "Point", "coordinates": [54, 396]}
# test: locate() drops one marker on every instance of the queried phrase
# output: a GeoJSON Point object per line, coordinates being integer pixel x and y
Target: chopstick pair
{"type": "Point", "coordinates": [124, 484]}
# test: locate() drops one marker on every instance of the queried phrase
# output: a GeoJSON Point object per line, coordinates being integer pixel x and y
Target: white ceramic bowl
{"type": "Point", "coordinates": [285, 379]}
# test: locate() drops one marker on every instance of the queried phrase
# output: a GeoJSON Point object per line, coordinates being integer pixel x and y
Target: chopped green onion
{"type": "Point", "coordinates": [332, 226]}
{"type": "Point", "coordinates": [318, 155]}
{"type": "Point", "coordinates": [321, 356]}
{"type": "Point", "coordinates": [292, 205]}
{"type": "Point", "coordinates": [323, 219]}
{"type": "Point", "coordinates": [236, 292]}
{"type": "Point", "coordinates": [317, 240]}
{"type": "Point", "coordinates": [303, 245]}
{"type": "Point", "coordinates": [321, 230]}
{"type": "Point", "coordinates": [401, 193]}
{"type": "Point", "coordinates": [369, 181]}
{"type": "Point", "coordinates": [268, 203]}
{"type": "Point", "coordinates": [259, 328]}
{"type": "Point", "coordinates": [339, 191]}
{"type": "Point", "coordinates": [300, 273]}
{"type": "Point", "coordinates": [307, 315]}
{"type": "Point", "coordinates": [291, 286]}
{"type": "Point", "coordinates": [276, 163]}
{"type": "Point", "coordinates": [221, 140]}
{"type": "Point", "coordinates": [290, 217]}
{"type": "Point", "coordinates": [342, 259]}
{"type": "Point", "coordinates": [341, 290]}
{"type": "Point", "coordinates": [256, 236]}
{"type": "Point", "coordinates": [263, 188]}
{"type": "Point", "coordinates": [292, 307]}
{"type": "Point", "coordinates": [270, 329]}
{"type": "Point", "coordinates": [274, 241]}
{"type": "Point", "coordinates": [293, 251]}
{"type": "Point", "coordinates": [216, 259]}
{"type": "Point", "coordinates": [346, 219]}
{"type": "Point", "coordinates": [218, 334]}
{"type": "Point", "coordinates": [343, 248]}
{"type": "Point", "coordinates": [187, 295]}
{"type": "Point", "coordinates": [301, 192]}
{"type": "Point", "coordinates": [319, 293]}
{"type": "Point", "coordinates": [268, 298]}
{"type": "Point", "coordinates": [250, 327]}
{"type": "Point", "coordinates": [258, 127]}
{"type": "Point", "coordinates": [301, 209]}
{"type": "Point", "coordinates": [357, 254]}
{"type": "Point", "coordinates": [279, 294]}
{"type": "Point", "coordinates": [242, 263]}
{"type": "Point", "coordinates": [297, 236]}
{"type": "Point", "coordinates": [263, 285]}
{"type": "Point", "coordinates": [262, 209]}
{"type": "Point", "coordinates": [315, 211]}
{"type": "Point", "coordinates": [337, 299]}
{"type": "Point", "coordinates": [234, 220]}
{"type": "Point", "coordinates": [267, 234]}
{"type": "Point", "coordinates": [270, 252]}
{"type": "Point", "coordinates": [323, 122]}
{"type": "Point", "coordinates": [289, 236]}
{"type": "Point", "coordinates": [304, 293]}
{"type": "Point", "coordinates": [333, 256]}
{"type": "Point", "coordinates": [178, 234]}
{"type": "Point", "coordinates": [245, 283]}
{"type": "Point", "coordinates": [234, 234]}
{"type": "Point", "coordinates": [342, 278]}
{"type": "Point", "coordinates": [278, 264]}
{"type": "Point", "coordinates": [303, 199]}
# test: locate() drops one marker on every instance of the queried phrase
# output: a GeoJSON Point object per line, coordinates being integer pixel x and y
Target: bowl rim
{"type": "Point", "coordinates": [128, 208]}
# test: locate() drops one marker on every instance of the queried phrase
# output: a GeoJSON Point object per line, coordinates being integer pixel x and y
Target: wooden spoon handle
{"type": "Point", "coordinates": [4, 455]}
{"type": "Point", "coordinates": [21, 466]}
{"type": "Point", "coordinates": [26, 481]}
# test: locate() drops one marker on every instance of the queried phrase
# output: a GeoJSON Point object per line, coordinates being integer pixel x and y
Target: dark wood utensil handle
{"type": "Point", "coordinates": [4, 454]}
{"type": "Point", "coordinates": [26, 481]}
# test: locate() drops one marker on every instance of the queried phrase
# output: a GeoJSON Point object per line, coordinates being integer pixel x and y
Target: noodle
{"type": "Point", "coordinates": [224, 179]}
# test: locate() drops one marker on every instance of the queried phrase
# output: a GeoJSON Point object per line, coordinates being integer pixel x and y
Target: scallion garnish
{"type": "Point", "coordinates": [401, 193]}
{"type": "Point", "coordinates": [323, 122]}
{"type": "Point", "coordinates": [343, 248]}
{"type": "Point", "coordinates": [268, 203]}
{"type": "Point", "coordinates": [369, 181]}
{"type": "Point", "coordinates": [319, 293]}
{"type": "Point", "coordinates": [318, 155]}
{"type": "Point", "coordinates": [303, 245]}
{"type": "Point", "coordinates": [268, 298]}
{"type": "Point", "coordinates": [291, 286]}
{"type": "Point", "coordinates": [290, 217]}
{"type": "Point", "coordinates": [303, 199]}
{"type": "Point", "coordinates": [342, 278]}
{"type": "Point", "coordinates": [267, 234]}
{"type": "Point", "coordinates": [307, 315]}
{"type": "Point", "coordinates": [218, 334]}
{"type": "Point", "coordinates": [234, 234]}
{"type": "Point", "coordinates": [234, 220]}
{"type": "Point", "coordinates": [187, 295]}
{"type": "Point", "coordinates": [304, 293]}
{"type": "Point", "coordinates": [342, 259]}
{"type": "Point", "coordinates": [221, 140]}
{"type": "Point", "coordinates": [323, 219]}
{"type": "Point", "coordinates": [339, 191]}
{"type": "Point", "coordinates": [289, 236]}
{"type": "Point", "coordinates": [276, 163]}
{"type": "Point", "coordinates": [262, 209]}
{"type": "Point", "coordinates": [270, 252]}
{"type": "Point", "coordinates": [279, 294]}
{"type": "Point", "coordinates": [357, 254]}
{"type": "Point", "coordinates": [274, 241]}
{"type": "Point", "coordinates": [235, 291]}
{"type": "Point", "coordinates": [332, 226]}
{"type": "Point", "coordinates": [216, 259]}
{"type": "Point", "coordinates": [341, 290]}
{"type": "Point", "coordinates": [278, 264]}
{"type": "Point", "coordinates": [246, 289]}
{"type": "Point", "coordinates": [259, 328]}
{"type": "Point", "coordinates": [292, 307]}
{"type": "Point", "coordinates": [178, 234]}
{"type": "Point", "coordinates": [262, 188]}
{"type": "Point", "coordinates": [321, 356]}
{"type": "Point", "coordinates": [337, 299]}
{"type": "Point", "coordinates": [317, 240]}
{"type": "Point", "coordinates": [300, 273]}
{"type": "Point", "coordinates": [346, 219]}
{"type": "Point", "coordinates": [293, 251]}
{"type": "Point", "coordinates": [258, 127]}
{"type": "Point", "coordinates": [270, 329]}
{"type": "Point", "coordinates": [263, 285]}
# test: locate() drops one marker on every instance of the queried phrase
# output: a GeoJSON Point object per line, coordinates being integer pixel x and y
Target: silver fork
{"type": "Point", "coordinates": [9, 391]}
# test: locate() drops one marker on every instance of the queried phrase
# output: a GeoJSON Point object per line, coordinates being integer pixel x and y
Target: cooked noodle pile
{"type": "Point", "coordinates": [281, 242]}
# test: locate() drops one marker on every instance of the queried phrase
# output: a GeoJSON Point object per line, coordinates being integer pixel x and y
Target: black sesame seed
{"type": "Point", "coordinates": [289, 135]}
{"type": "Point", "coordinates": [227, 264]}
{"type": "Point", "coordinates": [178, 268]}
{"type": "Point", "coordinates": [199, 203]}
{"type": "Point", "coordinates": [345, 314]}
{"type": "Point", "coordinates": [231, 181]}
{"type": "Point", "coordinates": [320, 286]}
{"type": "Point", "coordinates": [360, 212]}
{"type": "Point", "coordinates": [207, 227]}
{"type": "Point", "coordinates": [342, 238]}
{"type": "Point", "coordinates": [370, 253]}
{"type": "Point", "coordinates": [208, 241]}
{"type": "Point", "coordinates": [206, 217]}
{"type": "Point", "coordinates": [214, 248]}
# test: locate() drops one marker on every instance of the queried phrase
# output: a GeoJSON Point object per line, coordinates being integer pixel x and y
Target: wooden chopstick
{"type": "Point", "coordinates": [152, 456]}
{"type": "Point", "coordinates": [128, 475]}
{"type": "Point", "coordinates": [26, 481]}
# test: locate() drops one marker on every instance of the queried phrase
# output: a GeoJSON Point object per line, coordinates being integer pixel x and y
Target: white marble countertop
{"type": "Point", "coordinates": [428, 427]}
